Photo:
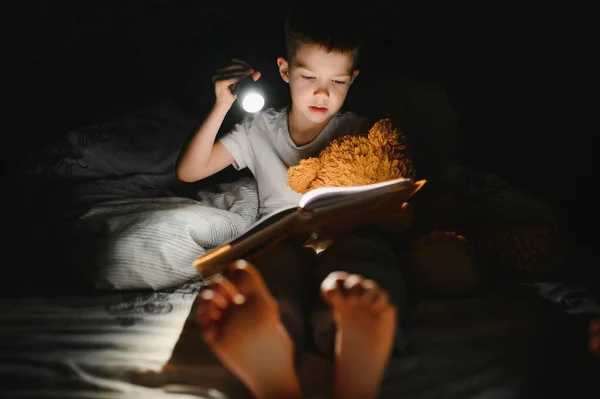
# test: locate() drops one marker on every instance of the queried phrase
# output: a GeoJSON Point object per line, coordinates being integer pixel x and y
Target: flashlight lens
{"type": "Point", "coordinates": [253, 102]}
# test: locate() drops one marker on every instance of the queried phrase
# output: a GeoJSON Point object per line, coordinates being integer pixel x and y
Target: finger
{"type": "Point", "coordinates": [225, 288]}
{"type": "Point", "coordinates": [236, 76]}
{"type": "Point", "coordinates": [405, 210]}
{"type": "Point", "coordinates": [237, 61]}
{"type": "Point", "coordinates": [230, 85]}
{"type": "Point", "coordinates": [231, 70]}
{"type": "Point", "coordinates": [256, 75]}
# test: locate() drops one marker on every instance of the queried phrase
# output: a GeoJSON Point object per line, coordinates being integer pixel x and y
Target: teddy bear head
{"type": "Point", "coordinates": [356, 159]}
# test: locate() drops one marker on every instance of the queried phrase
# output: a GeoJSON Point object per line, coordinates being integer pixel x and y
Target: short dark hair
{"type": "Point", "coordinates": [327, 25]}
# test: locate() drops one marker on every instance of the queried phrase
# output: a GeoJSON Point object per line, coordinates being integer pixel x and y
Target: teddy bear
{"type": "Point", "coordinates": [454, 233]}
{"type": "Point", "coordinates": [352, 160]}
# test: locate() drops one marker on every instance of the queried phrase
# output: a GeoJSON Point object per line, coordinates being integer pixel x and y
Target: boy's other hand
{"type": "Point", "coordinates": [400, 221]}
{"type": "Point", "coordinates": [225, 79]}
{"type": "Point", "coordinates": [394, 221]}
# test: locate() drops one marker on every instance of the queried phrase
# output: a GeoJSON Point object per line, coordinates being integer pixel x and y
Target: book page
{"type": "Point", "coordinates": [341, 213]}
{"type": "Point", "coordinates": [324, 196]}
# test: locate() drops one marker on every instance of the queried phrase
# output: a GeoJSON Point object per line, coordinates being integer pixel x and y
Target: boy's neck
{"type": "Point", "coordinates": [303, 131]}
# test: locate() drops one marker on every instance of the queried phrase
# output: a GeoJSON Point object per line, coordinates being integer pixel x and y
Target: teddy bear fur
{"type": "Point", "coordinates": [452, 236]}
{"type": "Point", "coordinates": [351, 160]}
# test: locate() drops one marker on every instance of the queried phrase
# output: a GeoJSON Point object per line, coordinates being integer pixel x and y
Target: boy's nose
{"type": "Point", "coordinates": [322, 91]}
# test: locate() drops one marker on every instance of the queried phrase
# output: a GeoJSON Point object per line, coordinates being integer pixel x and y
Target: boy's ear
{"type": "Point", "coordinates": [284, 69]}
{"type": "Point", "coordinates": [354, 75]}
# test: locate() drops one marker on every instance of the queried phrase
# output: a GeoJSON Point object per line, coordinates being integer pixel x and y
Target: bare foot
{"type": "Point", "coordinates": [594, 343]}
{"type": "Point", "coordinates": [241, 325]}
{"type": "Point", "coordinates": [366, 324]}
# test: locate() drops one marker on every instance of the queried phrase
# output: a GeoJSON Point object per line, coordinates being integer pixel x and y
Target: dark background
{"type": "Point", "coordinates": [72, 63]}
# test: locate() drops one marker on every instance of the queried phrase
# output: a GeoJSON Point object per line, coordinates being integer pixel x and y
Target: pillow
{"type": "Point", "coordinates": [145, 141]}
{"type": "Point", "coordinates": [151, 243]}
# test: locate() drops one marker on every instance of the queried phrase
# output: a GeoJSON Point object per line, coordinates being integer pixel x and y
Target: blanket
{"type": "Point", "coordinates": [111, 203]}
{"type": "Point", "coordinates": [88, 346]}
{"type": "Point", "coordinates": [507, 344]}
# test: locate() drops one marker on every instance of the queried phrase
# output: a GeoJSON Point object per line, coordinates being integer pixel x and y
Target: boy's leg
{"type": "Point", "coordinates": [286, 269]}
{"type": "Point", "coordinates": [368, 253]}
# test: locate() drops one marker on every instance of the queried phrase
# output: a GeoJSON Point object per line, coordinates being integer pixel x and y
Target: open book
{"type": "Point", "coordinates": [319, 214]}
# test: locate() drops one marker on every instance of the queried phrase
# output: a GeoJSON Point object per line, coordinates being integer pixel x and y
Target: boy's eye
{"type": "Point", "coordinates": [307, 77]}
{"type": "Point", "coordinates": [339, 82]}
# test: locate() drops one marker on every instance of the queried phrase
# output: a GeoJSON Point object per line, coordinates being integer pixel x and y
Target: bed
{"type": "Point", "coordinates": [100, 308]}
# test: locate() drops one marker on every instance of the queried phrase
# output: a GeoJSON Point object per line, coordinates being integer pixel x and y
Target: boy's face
{"type": "Point", "coordinates": [319, 81]}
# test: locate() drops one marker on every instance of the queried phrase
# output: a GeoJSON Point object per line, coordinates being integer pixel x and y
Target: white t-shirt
{"type": "Point", "coordinates": [262, 143]}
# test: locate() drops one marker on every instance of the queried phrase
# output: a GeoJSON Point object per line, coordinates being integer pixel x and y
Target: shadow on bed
{"type": "Point", "coordinates": [105, 235]}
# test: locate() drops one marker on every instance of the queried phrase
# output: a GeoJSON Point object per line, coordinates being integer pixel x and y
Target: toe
{"type": "Point", "coordinates": [353, 284]}
{"type": "Point", "coordinates": [247, 280]}
{"type": "Point", "coordinates": [216, 298]}
{"type": "Point", "coordinates": [227, 290]}
{"type": "Point", "coordinates": [207, 312]}
{"type": "Point", "coordinates": [370, 292]}
{"type": "Point", "coordinates": [212, 304]}
{"type": "Point", "coordinates": [331, 287]}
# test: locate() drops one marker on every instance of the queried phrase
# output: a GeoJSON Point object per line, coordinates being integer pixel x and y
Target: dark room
{"type": "Point", "coordinates": [276, 200]}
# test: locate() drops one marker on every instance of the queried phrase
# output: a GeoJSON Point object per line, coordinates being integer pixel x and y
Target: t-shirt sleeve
{"type": "Point", "coordinates": [237, 144]}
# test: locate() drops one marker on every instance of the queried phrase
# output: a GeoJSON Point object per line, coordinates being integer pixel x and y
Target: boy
{"type": "Point", "coordinates": [320, 67]}
{"type": "Point", "coordinates": [319, 71]}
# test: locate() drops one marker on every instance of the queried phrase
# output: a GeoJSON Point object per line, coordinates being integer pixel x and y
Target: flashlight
{"type": "Point", "coordinates": [250, 94]}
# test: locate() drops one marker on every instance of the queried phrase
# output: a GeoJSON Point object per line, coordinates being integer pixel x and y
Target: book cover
{"type": "Point", "coordinates": [320, 214]}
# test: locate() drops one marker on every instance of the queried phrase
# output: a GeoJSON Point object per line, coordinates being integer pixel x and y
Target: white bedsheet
{"type": "Point", "coordinates": [88, 346]}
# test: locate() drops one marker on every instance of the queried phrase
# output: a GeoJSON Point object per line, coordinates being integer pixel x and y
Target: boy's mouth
{"type": "Point", "coordinates": [317, 109]}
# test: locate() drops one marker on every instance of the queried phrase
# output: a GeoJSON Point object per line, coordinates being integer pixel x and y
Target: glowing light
{"type": "Point", "coordinates": [252, 102]}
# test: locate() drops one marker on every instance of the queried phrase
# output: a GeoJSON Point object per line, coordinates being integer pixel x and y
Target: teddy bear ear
{"type": "Point", "coordinates": [301, 176]}
{"type": "Point", "coordinates": [383, 133]}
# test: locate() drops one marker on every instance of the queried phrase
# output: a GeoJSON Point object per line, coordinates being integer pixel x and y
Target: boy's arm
{"type": "Point", "coordinates": [203, 157]}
